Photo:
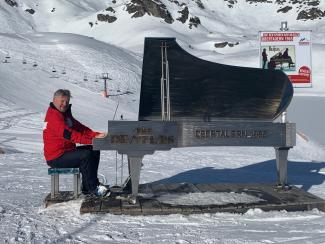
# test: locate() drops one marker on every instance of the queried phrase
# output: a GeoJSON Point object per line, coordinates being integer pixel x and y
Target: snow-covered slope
{"type": "Point", "coordinates": [83, 60]}
{"type": "Point", "coordinates": [191, 21]}
{"type": "Point", "coordinates": [14, 19]}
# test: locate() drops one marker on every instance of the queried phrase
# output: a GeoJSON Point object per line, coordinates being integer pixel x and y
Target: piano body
{"type": "Point", "coordinates": [189, 102]}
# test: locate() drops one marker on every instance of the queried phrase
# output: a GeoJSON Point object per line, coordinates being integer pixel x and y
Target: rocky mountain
{"type": "Point", "coordinates": [115, 21]}
{"type": "Point", "coordinates": [165, 9]}
{"type": "Point", "coordinates": [304, 9]}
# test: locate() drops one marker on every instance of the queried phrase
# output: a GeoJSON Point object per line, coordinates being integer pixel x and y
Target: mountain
{"type": "Point", "coordinates": [126, 22]}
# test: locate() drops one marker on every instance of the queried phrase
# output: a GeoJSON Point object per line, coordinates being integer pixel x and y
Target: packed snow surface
{"type": "Point", "coordinates": [207, 198]}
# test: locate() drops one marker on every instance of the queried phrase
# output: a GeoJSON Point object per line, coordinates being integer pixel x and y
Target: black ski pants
{"type": "Point", "coordinates": [84, 158]}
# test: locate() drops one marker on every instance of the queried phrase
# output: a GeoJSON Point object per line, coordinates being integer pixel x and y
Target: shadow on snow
{"type": "Point", "coordinates": [305, 174]}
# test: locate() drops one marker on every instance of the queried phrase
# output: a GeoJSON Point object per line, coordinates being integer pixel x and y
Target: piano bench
{"type": "Point", "coordinates": [55, 172]}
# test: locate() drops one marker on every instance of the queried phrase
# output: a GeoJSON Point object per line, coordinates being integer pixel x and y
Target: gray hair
{"type": "Point", "coordinates": [62, 93]}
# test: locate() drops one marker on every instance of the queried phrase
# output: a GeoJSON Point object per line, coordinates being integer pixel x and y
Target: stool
{"type": "Point", "coordinates": [55, 172]}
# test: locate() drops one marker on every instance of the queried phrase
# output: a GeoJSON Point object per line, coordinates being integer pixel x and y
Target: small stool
{"type": "Point", "coordinates": [55, 172]}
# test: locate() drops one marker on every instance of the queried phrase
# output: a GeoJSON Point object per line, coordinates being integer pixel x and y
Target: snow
{"type": "Point", "coordinates": [25, 92]}
{"type": "Point", "coordinates": [24, 219]}
{"type": "Point", "coordinates": [207, 198]}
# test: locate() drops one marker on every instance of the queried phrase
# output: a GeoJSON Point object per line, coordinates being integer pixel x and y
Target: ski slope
{"type": "Point", "coordinates": [27, 90]}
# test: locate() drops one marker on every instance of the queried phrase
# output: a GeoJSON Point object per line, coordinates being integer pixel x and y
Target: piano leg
{"type": "Point", "coordinates": [282, 166]}
{"type": "Point", "coordinates": [134, 168]}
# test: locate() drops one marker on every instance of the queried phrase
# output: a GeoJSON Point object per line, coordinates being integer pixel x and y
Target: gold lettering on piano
{"type": "Point", "coordinates": [143, 131]}
{"type": "Point", "coordinates": [141, 136]}
{"type": "Point", "coordinates": [246, 134]}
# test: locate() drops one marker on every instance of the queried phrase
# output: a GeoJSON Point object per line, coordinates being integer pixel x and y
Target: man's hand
{"type": "Point", "coordinates": [101, 135]}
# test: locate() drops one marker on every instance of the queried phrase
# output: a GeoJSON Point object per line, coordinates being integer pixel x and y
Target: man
{"type": "Point", "coordinates": [60, 135]}
{"type": "Point", "coordinates": [264, 57]}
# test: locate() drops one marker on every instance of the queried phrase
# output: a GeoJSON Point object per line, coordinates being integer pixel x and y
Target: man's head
{"type": "Point", "coordinates": [61, 99]}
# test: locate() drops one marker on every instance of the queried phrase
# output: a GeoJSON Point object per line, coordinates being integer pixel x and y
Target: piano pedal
{"type": "Point", "coordinates": [281, 187]}
{"type": "Point", "coordinates": [116, 189]}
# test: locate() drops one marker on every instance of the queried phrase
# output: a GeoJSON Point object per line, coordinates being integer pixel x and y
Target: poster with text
{"type": "Point", "coordinates": [289, 51]}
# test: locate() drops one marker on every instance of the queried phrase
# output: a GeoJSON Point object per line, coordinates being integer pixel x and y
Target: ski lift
{"type": "Point", "coordinates": [24, 61]}
{"type": "Point", "coordinates": [64, 72]}
{"type": "Point", "coordinates": [34, 64]}
{"type": "Point", "coordinates": [6, 60]}
{"type": "Point", "coordinates": [96, 78]}
{"type": "Point", "coordinates": [104, 93]}
{"type": "Point", "coordinates": [54, 73]}
{"type": "Point", "coordinates": [85, 78]}
{"type": "Point", "coordinates": [105, 78]}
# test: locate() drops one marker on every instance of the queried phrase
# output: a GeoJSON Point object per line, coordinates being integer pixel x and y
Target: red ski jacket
{"type": "Point", "coordinates": [61, 133]}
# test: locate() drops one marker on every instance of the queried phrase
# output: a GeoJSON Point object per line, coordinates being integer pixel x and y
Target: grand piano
{"type": "Point", "coordinates": [189, 102]}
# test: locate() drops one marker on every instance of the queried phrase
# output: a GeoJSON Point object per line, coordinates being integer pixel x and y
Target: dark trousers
{"type": "Point", "coordinates": [264, 64]}
{"type": "Point", "coordinates": [84, 158]}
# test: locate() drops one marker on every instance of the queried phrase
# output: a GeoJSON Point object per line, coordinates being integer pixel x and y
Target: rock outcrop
{"type": "Point", "coordinates": [306, 9]}
{"type": "Point", "coordinates": [106, 18]}
{"type": "Point", "coordinates": [224, 44]}
{"type": "Point", "coordinates": [184, 15]}
{"type": "Point", "coordinates": [12, 3]}
{"type": "Point", "coordinates": [194, 21]}
{"type": "Point", "coordinates": [30, 10]}
{"type": "Point", "coordinates": [310, 14]}
{"type": "Point", "coordinates": [154, 8]}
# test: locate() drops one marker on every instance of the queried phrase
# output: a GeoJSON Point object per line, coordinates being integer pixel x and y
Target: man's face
{"type": "Point", "coordinates": [61, 103]}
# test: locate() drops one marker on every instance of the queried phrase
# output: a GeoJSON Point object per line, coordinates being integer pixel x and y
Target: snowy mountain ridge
{"type": "Point", "coordinates": [115, 21]}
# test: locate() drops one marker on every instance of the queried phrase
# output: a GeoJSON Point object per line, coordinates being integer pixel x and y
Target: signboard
{"type": "Point", "coordinates": [289, 51]}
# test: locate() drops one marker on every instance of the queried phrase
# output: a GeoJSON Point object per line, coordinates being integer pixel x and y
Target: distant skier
{"type": "Point", "coordinates": [60, 135]}
{"type": "Point", "coordinates": [264, 58]}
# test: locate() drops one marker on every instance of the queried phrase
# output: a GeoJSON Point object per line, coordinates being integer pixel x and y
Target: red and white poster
{"type": "Point", "coordinates": [289, 51]}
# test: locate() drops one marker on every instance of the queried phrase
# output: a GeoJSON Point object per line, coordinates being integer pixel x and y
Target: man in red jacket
{"type": "Point", "coordinates": [60, 135]}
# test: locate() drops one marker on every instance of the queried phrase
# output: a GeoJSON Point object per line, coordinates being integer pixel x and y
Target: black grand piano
{"type": "Point", "coordinates": [188, 102]}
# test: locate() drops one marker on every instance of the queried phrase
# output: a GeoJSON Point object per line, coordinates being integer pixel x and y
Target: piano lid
{"type": "Point", "coordinates": [205, 91]}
